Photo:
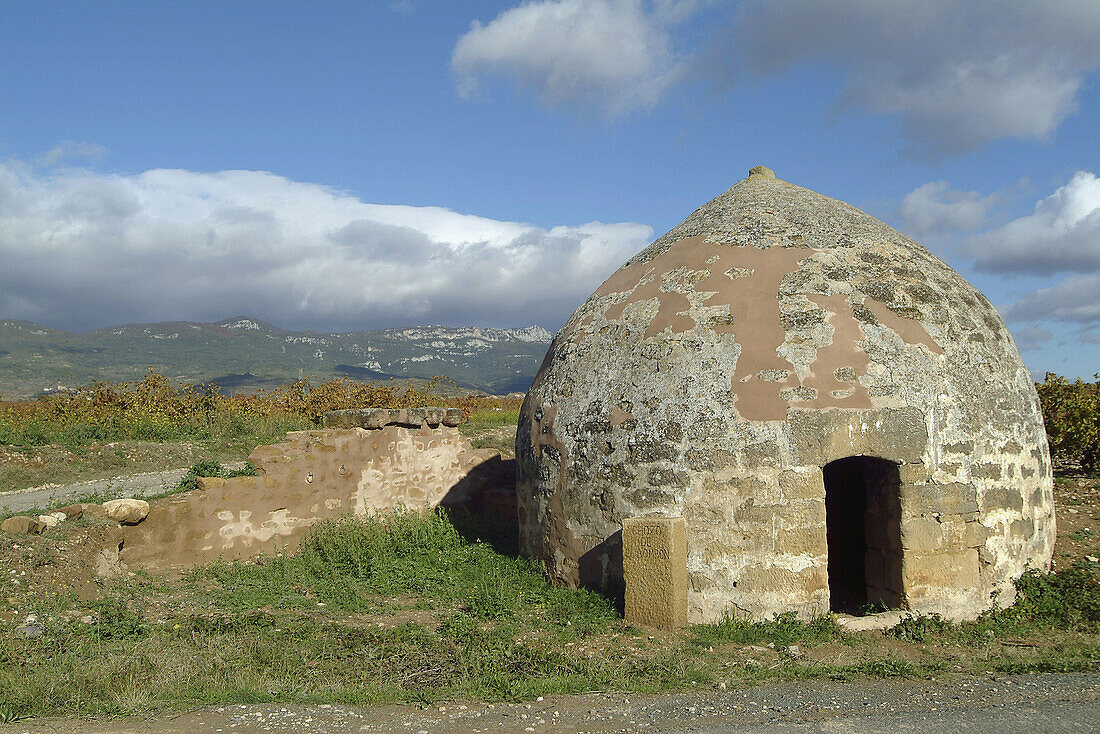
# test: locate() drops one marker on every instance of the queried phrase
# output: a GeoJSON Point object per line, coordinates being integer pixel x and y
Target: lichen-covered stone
{"type": "Point", "coordinates": [719, 371]}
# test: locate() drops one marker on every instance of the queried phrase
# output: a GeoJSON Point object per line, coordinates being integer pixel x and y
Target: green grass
{"type": "Point", "coordinates": [783, 630]}
{"type": "Point", "coordinates": [211, 468]}
{"type": "Point", "coordinates": [487, 418]}
{"type": "Point", "coordinates": [271, 630]}
{"type": "Point", "coordinates": [349, 565]}
{"type": "Point", "coordinates": [1067, 600]}
{"type": "Point", "coordinates": [414, 608]}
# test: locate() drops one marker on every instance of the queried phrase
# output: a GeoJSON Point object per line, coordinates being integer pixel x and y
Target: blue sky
{"type": "Point", "coordinates": [371, 164]}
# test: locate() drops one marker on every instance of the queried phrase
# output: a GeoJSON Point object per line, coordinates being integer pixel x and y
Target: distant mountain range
{"type": "Point", "coordinates": [244, 353]}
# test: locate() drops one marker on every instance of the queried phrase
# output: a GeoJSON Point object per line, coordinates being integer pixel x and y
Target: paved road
{"type": "Point", "coordinates": [132, 485]}
{"type": "Point", "coordinates": [1027, 703]}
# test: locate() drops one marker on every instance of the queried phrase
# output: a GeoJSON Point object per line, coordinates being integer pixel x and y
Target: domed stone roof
{"type": "Point", "coordinates": [746, 360]}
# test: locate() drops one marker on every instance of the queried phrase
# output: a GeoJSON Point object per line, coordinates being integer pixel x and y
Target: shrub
{"type": "Point", "coordinates": [211, 468]}
{"type": "Point", "coordinates": [1071, 412]}
{"type": "Point", "coordinates": [155, 409]}
{"type": "Point", "coordinates": [1068, 599]}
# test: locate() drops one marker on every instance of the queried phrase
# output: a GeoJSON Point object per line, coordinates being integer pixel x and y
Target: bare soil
{"type": "Point", "coordinates": [1077, 513]}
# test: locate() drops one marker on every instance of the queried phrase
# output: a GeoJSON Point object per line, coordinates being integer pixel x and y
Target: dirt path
{"type": "Point", "coordinates": [132, 485]}
{"type": "Point", "coordinates": [1046, 702]}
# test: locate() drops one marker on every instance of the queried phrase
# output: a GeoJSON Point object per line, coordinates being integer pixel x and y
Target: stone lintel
{"type": "Point", "coordinates": [375, 418]}
{"type": "Point", "coordinates": [655, 571]}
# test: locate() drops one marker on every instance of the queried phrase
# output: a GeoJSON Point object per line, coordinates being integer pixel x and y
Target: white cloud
{"type": "Point", "coordinates": [936, 209]}
{"type": "Point", "coordinates": [1075, 299]}
{"type": "Point", "coordinates": [613, 55]}
{"type": "Point", "coordinates": [1061, 235]}
{"type": "Point", "coordinates": [1030, 338]}
{"type": "Point", "coordinates": [70, 150]}
{"type": "Point", "coordinates": [82, 249]}
{"type": "Point", "coordinates": [958, 74]}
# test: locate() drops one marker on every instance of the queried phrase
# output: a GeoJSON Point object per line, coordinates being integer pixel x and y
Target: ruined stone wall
{"type": "Point", "coordinates": [399, 459]}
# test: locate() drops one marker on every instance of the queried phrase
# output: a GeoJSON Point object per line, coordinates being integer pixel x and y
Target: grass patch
{"type": "Point", "coordinates": [351, 565]}
{"type": "Point", "coordinates": [783, 630]}
{"type": "Point", "coordinates": [211, 468]}
{"type": "Point", "coordinates": [406, 608]}
{"type": "Point", "coordinates": [1067, 600]}
{"type": "Point", "coordinates": [304, 628]}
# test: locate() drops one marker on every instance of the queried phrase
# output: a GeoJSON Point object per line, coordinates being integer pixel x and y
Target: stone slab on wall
{"type": "Point", "coordinates": [382, 417]}
{"type": "Point", "coordinates": [655, 571]}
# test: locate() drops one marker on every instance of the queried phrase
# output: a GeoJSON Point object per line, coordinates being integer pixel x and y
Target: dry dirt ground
{"type": "Point", "coordinates": [1077, 513]}
{"type": "Point", "coordinates": [1025, 703]}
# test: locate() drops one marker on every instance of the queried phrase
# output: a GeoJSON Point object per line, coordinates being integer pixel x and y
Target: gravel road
{"type": "Point", "coordinates": [1025, 703]}
{"type": "Point", "coordinates": [132, 485]}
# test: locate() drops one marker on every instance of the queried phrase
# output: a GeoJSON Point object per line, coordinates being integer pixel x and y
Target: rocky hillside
{"type": "Point", "coordinates": [244, 353]}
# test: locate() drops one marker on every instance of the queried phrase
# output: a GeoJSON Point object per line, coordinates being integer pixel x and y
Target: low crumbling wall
{"type": "Point", "coordinates": [363, 461]}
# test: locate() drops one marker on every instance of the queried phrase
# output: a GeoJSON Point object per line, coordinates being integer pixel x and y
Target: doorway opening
{"type": "Point", "coordinates": [863, 531]}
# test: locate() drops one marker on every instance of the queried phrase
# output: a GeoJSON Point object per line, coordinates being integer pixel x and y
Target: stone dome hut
{"type": "Point", "coordinates": [843, 422]}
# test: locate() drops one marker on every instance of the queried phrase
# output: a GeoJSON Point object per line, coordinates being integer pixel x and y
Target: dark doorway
{"type": "Point", "coordinates": [863, 516]}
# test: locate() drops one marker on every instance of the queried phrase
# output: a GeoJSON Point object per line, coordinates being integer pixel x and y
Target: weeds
{"type": "Point", "coordinates": [921, 628]}
{"type": "Point", "coordinates": [502, 632]}
{"type": "Point", "coordinates": [783, 630]}
{"type": "Point", "coordinates": [405, 608]}
{"type": "Point", "coordinates": [1067, 600]}
{"type": "Point", "coordinates": [155, 409]}
{"type": "Point", "coordinates": [352, 565]}
{"type": "Point", "coordinates": [211, 468]}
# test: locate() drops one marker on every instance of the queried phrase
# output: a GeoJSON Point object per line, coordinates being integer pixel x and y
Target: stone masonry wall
{"type": "Point", "coordinates": [416, 459]}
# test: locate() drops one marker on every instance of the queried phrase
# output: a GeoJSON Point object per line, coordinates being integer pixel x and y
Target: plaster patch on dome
{"type": "Point", "coordinates": [745, 287]}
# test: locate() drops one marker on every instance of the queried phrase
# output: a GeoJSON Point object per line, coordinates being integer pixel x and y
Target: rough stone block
{"type": "Point", "coordinates": [952, 499]}
{"type": "Point", "coordinates": [1003, 498]}
{"type": "Point", "coordinates": [946, 570]}
{"type": "Point", "coordinates": [20, 525]}
{"type": "Point", "coordinates": [128, 510]}
{"type": "Point", "coordinates": [655, 571]}
{"type": "Point", "coordinates": [802, 484]}
{"type": "Point", "coordinates": [809, 540]}
{"type": "Point", "coordinates": [975, 535]}
{"type": "Point", "coordinates": [913, 473]}
{"type": "Point", "coordinates": [796, 587]}
{"type": "Point", "coordinates": [72, 512]}
{"type": "Point", "coordinates": [820, 436]}
{"type": "Point", "coordinates": [928, 535]}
